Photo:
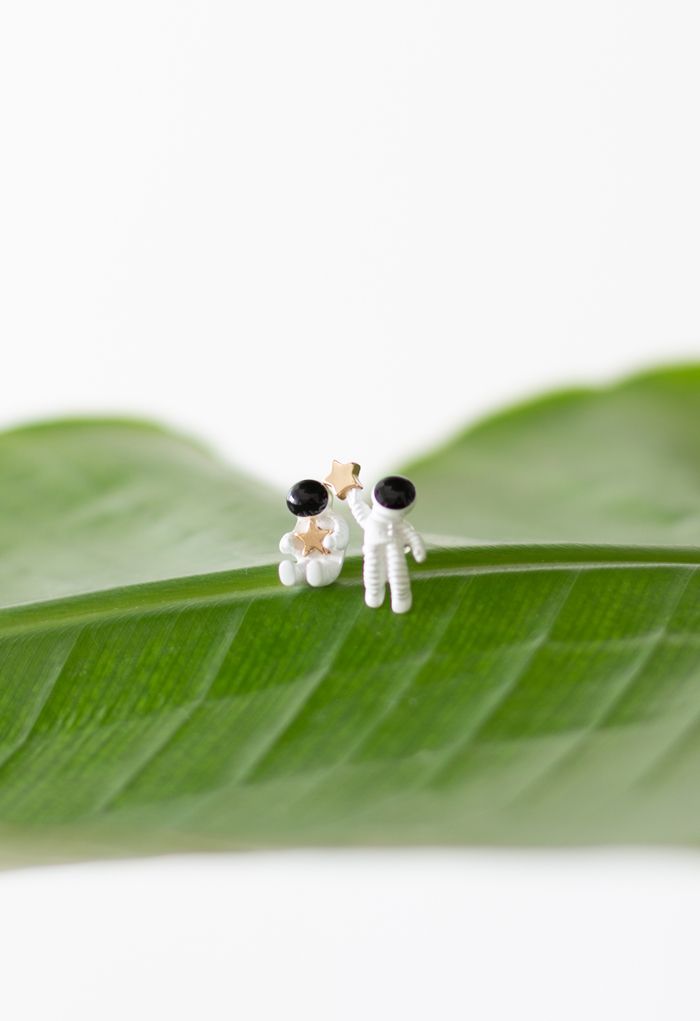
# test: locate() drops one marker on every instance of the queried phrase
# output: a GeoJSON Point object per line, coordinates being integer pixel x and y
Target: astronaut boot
{"type": "Point", "coordinates": [401, 603]}
{"type": "Point", "coordinates": [288, 573]}
{"type": "Point", "coordinates": [320, 572]}
{"type": "Point", "coordinates": [374, 597]}
{"type": "Point", "coordinates": [399, 580]}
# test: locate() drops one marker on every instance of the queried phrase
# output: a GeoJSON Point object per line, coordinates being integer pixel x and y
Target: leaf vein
{"type": "Point", "coordinates": [581, 737]}
{"type": "Point", "coordinates": [213, 670]}
{"type": "Point", "coordinates": [435, 774]}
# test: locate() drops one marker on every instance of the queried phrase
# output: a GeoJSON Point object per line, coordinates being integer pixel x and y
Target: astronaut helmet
{"type": "Point", "coordinates": [394, 493]}
{"type": "Point", "coordinates": [307, 498]}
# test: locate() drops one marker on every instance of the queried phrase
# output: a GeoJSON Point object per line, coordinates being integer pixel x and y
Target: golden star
{"type": "Point", "coordinates": [313, 538]}
{"type": "Point", "coordinates": [343, 478]}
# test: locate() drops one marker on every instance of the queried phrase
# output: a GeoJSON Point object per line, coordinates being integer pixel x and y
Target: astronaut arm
{"type": "Point", "coordinates": [414, 542]}
{"type": "Point", "coordinates": [287, 543]}
{"type": "Point", "coordinates": [339, 537]}
{"type": "Point", "coordinates": [358, 508]}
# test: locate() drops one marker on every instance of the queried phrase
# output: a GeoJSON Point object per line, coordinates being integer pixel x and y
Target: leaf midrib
{"type": "Point", "coordinates": [261, 582]}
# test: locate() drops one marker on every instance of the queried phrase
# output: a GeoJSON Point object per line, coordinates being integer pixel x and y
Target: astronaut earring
{"type": "Point", "coordinates": [319, 540]}
{"type": "Point", "coordinates": [387, 536]}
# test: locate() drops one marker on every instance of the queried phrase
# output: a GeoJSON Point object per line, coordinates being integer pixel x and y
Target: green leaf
{"type": "Point", "coordinates": [91, 505]}
{"type": "Point", "coordinates": [160, 690]}
{"type": "Point", "coordinates": [615, 465]}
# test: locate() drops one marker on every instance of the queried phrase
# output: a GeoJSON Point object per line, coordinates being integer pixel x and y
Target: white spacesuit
{"type": "Point", "coordinates": [319, 541]}
{"type": "Point", "coordinates": [387, 539]}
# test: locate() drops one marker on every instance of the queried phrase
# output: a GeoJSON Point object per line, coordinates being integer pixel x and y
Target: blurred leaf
{"type": "Point", "coordinates": [159, 690]}
{"type": "Point", "coordinates": [615, 465]}
{"type": "Point", "coordinates": [87, 505]}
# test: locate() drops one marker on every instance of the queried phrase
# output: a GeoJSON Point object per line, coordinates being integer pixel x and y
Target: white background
{"type": "Point", "coordinates": [304, 230]}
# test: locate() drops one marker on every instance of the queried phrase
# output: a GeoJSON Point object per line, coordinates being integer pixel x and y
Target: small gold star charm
{"type": "Point", "coordinates": [313, 537]}
{"type": "Point", "coordinates": [343, 478]}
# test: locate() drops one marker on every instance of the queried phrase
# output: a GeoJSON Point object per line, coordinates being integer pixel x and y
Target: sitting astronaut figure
{"type": "Point", "coordinates": [387, 539]}
{"type": "Point", "coordinates": [319, 541]}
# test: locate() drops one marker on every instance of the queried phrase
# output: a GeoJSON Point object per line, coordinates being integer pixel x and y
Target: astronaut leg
{"type": "Point", "coordinates": [374, 575]}
{"type": "Point", "coordinates": [323, 570]}
{"type": "Point", "coordinates": [291, 573]}
{"type": "Point", "coordinates": [399, 580]}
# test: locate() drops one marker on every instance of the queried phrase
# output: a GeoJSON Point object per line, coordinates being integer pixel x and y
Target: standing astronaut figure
{"type": "Point", "coordinates": [387, 540]}
{"type": "Point", "coordinates": [319, 541]}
